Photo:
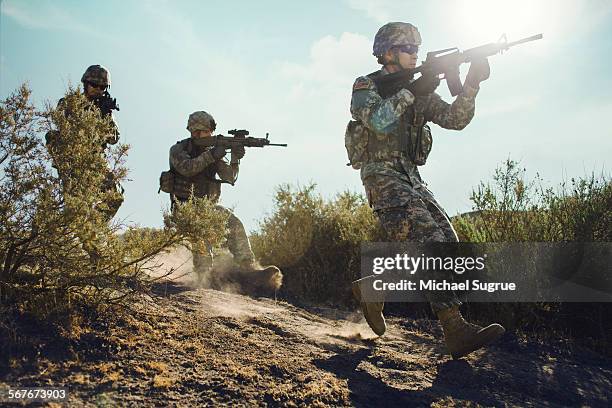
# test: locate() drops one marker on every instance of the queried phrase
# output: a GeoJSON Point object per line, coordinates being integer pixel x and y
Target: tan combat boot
{"type": "Point", "coordinates": [257, 279]}
{"type": "Point", "coordinates": [372, 311]}
{"type": "Point", "coordinates": [462, 337]}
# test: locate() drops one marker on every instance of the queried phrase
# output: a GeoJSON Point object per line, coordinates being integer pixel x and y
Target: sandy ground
{"type": "Point", "coordinates": [203, 347]}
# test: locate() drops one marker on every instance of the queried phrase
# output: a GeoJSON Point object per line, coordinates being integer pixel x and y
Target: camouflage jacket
{"type": "Point", "coordinates": [55, 146]}
{"type": "Point", "coordinates": [53, 138]}
{"type": "Point", "coordinates": [194, 167]}
{"type": "Point", "coordinates": [383, 120]}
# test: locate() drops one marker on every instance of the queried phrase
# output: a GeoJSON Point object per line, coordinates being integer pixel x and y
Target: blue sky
{"type": "Point", "coordinates": [287, 68]}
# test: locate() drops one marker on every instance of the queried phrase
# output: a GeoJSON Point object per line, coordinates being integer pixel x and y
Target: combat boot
{"type": "Point", "coordinates": [372, 311]}
{"type": "Point", "coordinates": [463, 337]}
{"type": "Point", "coordinates": [259, 280]}
{"type": "Point", "coordinates": [254, 267]}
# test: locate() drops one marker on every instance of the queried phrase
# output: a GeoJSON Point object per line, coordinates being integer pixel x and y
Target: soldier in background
{"type": "Point", "coordinates": [387, 140]}
{"type": "Point", "coordinates": [195, 170]}
{"type": "Point", "coordinates": [96, 82]}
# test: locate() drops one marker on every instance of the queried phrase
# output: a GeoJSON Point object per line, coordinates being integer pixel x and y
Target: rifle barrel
{"type": "Point", "coordinates": [524, 40]}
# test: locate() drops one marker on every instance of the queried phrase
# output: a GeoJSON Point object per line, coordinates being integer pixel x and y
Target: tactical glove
{"type": "Point", "coordinates": [479, 71]}
{"type": "Point", "coordinates": [238, 153]}
{"type": "Point", "coordinates": [424, 85]}
{"type": "Point", "coordinates": [217, 152]}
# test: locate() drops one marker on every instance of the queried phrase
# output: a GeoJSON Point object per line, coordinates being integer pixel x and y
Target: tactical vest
{"type": "Point", "coordinates": [411, 140]}
{"type": "Point", "coordinates": [203, 184]}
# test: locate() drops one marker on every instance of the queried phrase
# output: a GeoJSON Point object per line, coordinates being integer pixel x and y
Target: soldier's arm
{"type": "Point", "coordinates": [372, 110]}
{"type": "Point", "coordinates": [451, 116]}
{"type": "Point", "coordinates": [228, 171]}
{"type": "Point", "coordinates": [185, 165]}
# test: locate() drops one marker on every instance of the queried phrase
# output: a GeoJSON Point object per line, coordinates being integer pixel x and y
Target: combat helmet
{"type": "Point", "coordinates": [97, 75]}
{"type": "Point", "coordinates": [201, 120]}
{"type": "Point", "coordinates": [394, 34]}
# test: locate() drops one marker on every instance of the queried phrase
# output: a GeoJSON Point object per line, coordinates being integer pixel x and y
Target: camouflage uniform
{"type": "Point", "coordinates": [387, 140]}
{"type": "Point", "coordinates": [195, 169]}
{"type": "Point", "coordinates": [397, 139]}
{"type": "Point", "coordinates": [95, 74]}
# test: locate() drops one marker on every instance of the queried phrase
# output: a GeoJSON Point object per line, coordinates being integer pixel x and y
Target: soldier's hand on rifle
{"type": "Point", "coordinates": [479, 71]}
{"type": "Point", "coordinates": [218, 152]}
{"type": "Point", "coordinates": [238, 153]}
{"type": "Point", "coordinates": [424, 85]}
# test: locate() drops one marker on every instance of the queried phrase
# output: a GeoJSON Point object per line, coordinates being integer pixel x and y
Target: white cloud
{"type": "Point", "coordinates": [378, 10]}
{"type": "Point", "coordinates": [333, 65]}
{"type": "Point", "coordinates": [333, 60]}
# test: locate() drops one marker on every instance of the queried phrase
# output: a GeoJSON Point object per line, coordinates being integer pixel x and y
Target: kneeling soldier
{"type": "Point", "coordinates": [195, 170]}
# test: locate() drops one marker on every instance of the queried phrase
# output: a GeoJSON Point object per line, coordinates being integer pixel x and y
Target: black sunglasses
{"type": "Point", "coordinates": [408, 48]}
{"type": "Point", "coordinates": [99, 86]}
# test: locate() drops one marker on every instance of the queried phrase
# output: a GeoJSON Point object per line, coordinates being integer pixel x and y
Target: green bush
{"type": "Point", "coordinates": [58, 252]}
{"type": "Point", "coordinates": [316, 243]}
{"type": "Point", "coordinates": [512, 209]}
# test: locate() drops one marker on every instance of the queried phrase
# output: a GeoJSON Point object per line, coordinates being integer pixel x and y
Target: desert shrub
{"type": "Point", "coordinates": [317, 245]}
{"type": "Point", "coordinates": [58, 252]}
{"type": "Point", "coordinates": [315, 242]}
{"type": "Point", "coordinates": [512, 209]}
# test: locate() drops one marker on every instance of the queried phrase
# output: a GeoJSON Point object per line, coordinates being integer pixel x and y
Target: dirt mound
{"type": "Point", "coordinates": [176, 265]}
{"type": "Point", "coordinates": [195, 347]}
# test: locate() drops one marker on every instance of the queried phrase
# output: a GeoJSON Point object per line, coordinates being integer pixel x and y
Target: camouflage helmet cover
{"type": "Point", "coordinates": [96, 74]}
{"type": "Point", "coordinates": [201, 120]}
{"type": "Point", "coordinates": [394, 34]}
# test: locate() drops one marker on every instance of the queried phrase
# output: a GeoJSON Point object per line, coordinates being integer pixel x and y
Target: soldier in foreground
{"type": "Point", "coordinates": [96, 82]}
{"type": "Point", "coordinates": [195, 168]}
{"type": "Point", "coordinates": [387, 140]}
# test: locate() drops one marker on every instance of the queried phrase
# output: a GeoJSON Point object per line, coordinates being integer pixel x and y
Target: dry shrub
{"type": "Point", "coordinates": [58, 252]}
{"type": "Point", "coordinates": [513, 209]}
{"type": "Point", "coordinates": [316, 243]}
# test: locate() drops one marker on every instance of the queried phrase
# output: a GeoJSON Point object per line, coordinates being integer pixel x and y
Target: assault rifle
{"type": "Point", "coordinates": [106, 104]}
{"type": "Point", "coordinates": [447, 62]}
{"type": "Point", "coordinates": [239, 139]}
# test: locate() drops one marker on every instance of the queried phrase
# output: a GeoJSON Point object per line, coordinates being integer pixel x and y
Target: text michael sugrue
{"type": "Point", "coordinates": [458, 265]}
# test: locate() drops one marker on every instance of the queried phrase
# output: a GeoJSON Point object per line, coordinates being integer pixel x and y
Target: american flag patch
{"type": "Point", "coordinates": [361, 83]}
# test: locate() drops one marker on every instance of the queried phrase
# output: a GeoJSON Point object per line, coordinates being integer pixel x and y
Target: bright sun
{"type": "Point", "coordinates": [488, 19]}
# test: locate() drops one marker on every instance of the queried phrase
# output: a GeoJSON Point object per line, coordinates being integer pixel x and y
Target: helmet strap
{"type": "Point", "coordinates": [394, 60]}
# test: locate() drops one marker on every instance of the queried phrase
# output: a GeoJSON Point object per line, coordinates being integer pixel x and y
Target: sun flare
{"type": "Point", "coordinates": [481, 20]}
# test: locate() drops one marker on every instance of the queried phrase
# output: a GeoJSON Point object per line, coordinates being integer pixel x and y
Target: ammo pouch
{"type": "Point", "coordinates": [415, 138]}
{"type": "Point", "coordinates": [166, 182]}
{"type": "Point", "coordinates": [356, 143]}
{"type": "Point", "coordinates": [419, 144]}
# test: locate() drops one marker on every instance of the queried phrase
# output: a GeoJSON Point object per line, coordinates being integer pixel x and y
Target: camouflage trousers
{"type": "Point", "coordinates": [237, 243]}
{"type": "Point", "coordinates": [111, 190]}
{"type": "Point", "coordinates": [409, 214]}
{"type": "Point", "coordinates": [114, 197]}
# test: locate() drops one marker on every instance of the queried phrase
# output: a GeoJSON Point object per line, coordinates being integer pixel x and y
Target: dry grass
{"type": "Point", "coordinates": [113, 377]}
{"type": "Point", "coordinates": [157, 366]}
{"type": "Point", "coordinates": [140, 370]}
{"type": "Point", "coordinates": [161, 381]}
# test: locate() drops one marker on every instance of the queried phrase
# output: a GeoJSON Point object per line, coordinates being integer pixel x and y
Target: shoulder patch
{"type": "Point", "coordinates": [362, 83]}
